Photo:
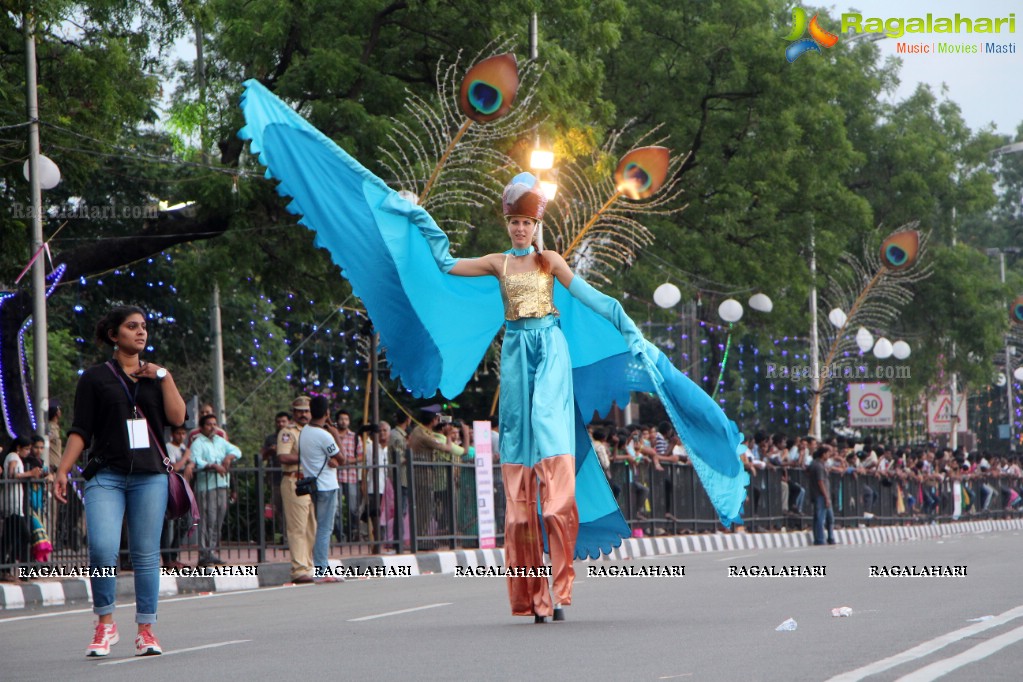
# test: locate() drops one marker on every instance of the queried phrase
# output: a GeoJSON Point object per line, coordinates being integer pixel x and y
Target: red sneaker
{"type": "Point", "coordinates": [146, 644]}
{"type": "Point", "coordinates": [104, 637]}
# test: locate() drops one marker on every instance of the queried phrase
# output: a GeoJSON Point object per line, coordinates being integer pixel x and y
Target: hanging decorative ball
{"type": "Point", "coordinates": [761, 302]}
{"type": "Point", "coordinates": [49, 172]}
{"type": "Point", "coordinates": [667, 295]}
{"type": "Point", "coordinates": [1018, 373]}
{"type": "Point", "coordinates": [837, 317]}
{"type": "Point", "coordinates": [883, 349]}
{"type": "Point", "coordinates": [1000, 379]}
{"type": "Point", "coordinates": [730, 310]}
{"type": "Point", "coordinates": [864, 339]}
{"type": "Point", "coordinates": [901, 350]}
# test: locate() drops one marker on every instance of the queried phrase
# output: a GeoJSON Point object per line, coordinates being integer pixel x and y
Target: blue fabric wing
{"type": "Point", "coordinates": [604, 371]}
{"type": "Point", "coordinates": [370, 232]}
{"type": "Point", "coordinates": [374, 236]}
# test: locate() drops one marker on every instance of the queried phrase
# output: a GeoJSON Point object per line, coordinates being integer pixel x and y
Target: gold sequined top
{"type": "Point", "coordinates": [527, 294]}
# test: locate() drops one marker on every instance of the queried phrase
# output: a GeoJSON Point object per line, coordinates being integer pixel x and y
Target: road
{"type": "Point", "coordinates": [700, 626]}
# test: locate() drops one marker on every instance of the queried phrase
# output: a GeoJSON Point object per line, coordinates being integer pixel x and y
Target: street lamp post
{"type": "Point", "coordinates": [1014, 148]}
{"type": "Point", "coordinates": [42, 375]}
{"type": "Point", "coordinates": [815, 381]}
{"type": "Point", "coordinates": [1008, 365]}
{"type": "Point", "coordinates": [1008, 347]}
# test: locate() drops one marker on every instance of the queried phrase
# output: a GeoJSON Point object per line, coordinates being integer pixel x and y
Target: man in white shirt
{"type": "Point", "coordinates": [380, 499]}
{"type": "Point", "coordinates": [181, 459]}
{"type": "Point", "coordinates": [320, 456]}
{"type": "Point", "coordinates": [213, 457]}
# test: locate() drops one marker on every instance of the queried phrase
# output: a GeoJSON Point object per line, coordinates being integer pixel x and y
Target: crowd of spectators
{"type": "Point", "coordinates": [642, 462]}
{"type": "Point", "coordinates": [921, 480]}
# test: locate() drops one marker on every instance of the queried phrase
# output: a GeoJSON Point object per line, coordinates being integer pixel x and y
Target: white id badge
{"type": "Point", "coordinates": [138, 434]}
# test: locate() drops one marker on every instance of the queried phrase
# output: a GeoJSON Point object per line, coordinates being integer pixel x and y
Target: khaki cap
{"type": "Point", "coordinates": [300, 403]}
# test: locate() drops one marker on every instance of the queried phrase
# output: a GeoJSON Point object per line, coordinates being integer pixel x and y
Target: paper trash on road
{"type": "Point", "coordinates": [979, 620]}
{"type": "Point", "coordinates": [841, 611]}
{"type": "Point", "coordinates": [787, 626]}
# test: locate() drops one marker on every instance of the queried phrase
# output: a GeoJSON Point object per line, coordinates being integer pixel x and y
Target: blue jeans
{"type": "Point", "coordinates": [325, 502]}
{"type": "Point", "coordinates": [108, 495]}
{"type": "Point", "coordinates": [869, 498]}
{"type": "Point", "coordinates": [351, 491]}
{"type": "Point", "coordinates": [822, 516]}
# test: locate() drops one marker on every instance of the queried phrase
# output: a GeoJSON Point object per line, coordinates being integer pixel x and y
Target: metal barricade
{"type": "Point", "coordinates": [442, 512]}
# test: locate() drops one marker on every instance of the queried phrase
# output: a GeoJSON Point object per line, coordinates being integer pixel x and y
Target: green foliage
{"type": "Point", "coordinates": [778, 151]}
{"type": "Point", "coordinates": [959, 316]}
{"type": "Point", "coordinates": [62, 364]}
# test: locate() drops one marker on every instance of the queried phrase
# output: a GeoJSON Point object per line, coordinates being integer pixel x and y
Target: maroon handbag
{"type": "Point", "coordinates": [180, 500]}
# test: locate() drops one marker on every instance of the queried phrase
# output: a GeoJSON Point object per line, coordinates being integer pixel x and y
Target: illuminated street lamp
{"type": "Point", "coordinates": [540, 160]}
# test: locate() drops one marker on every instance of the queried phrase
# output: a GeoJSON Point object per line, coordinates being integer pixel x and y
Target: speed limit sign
{"type": "Point", "coordinates": [871, 405]}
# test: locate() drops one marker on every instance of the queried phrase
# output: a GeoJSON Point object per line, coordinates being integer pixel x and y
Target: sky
{"type": "Point", "coordinates": [987, 87]}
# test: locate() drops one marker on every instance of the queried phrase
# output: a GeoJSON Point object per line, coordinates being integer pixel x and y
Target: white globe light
{"type": "Point", "coordinates": [864, 339]}
{"type": "Point", "coordinates": [761, 302]}
{"type": "Point", "coordinates": [837, 317]}
{"type": "Point", "coordinates": [1000, 379]}
{"type": "Point", "coordinates": [883, 349]}
{"type": "Point", "coordinates": [901, 350]}
{"type": "Point", "coordinates": [49, 172]}
{"type": "Point", "coordinates": [667, 295]}
{"type": "Point", "coordinates": [1018, 373]}
{"type": "Point", "coordinates": [730, 310]}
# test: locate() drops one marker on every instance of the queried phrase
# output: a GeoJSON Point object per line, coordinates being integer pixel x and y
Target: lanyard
{"type": "Point", "coordinates": [132, 397]}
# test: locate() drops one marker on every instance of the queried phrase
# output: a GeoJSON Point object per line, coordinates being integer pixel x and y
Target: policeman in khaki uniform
{"type": "Point", "coordinates": [298, 509]}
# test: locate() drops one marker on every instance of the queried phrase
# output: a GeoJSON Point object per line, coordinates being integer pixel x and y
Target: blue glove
{"type": "Point", "coordinates": [611, 310]}
{"type": "Point", "coordinates": [440, 247]}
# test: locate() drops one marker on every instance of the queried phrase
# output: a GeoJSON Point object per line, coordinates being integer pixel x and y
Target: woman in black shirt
{"type": "Point", "coordinates": [121, 409]}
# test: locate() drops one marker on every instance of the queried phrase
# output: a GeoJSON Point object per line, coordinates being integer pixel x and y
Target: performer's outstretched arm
{"type": "Point", "coordinates": [440, 247]}
{"type": "Point", "coordinates": [476, 267]}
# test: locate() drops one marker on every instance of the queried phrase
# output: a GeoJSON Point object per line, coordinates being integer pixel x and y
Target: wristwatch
{"type": "Point", "coordinates": [161, 373]}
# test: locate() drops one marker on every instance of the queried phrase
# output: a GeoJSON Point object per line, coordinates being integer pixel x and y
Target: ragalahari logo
{"type": "Point", "coordinates": [818, 36]}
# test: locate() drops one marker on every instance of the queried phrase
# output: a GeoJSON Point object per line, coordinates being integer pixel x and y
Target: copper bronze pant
{"type": "Point", "coordinates": [523, 540]}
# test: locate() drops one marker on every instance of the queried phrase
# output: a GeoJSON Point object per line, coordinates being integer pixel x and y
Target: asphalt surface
{"type": "Point", "coordinates": [700, 626]}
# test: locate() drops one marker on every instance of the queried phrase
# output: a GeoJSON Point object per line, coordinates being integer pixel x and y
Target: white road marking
{"type": "Point", "coordinates": [136, 659]}
{"type": "Point", "coordinates": [982, 650]}
{"type": "Point", "coordinates": [733, 558]}
{"type": "Point", "coordinates": [398, 613]}
{"type": "Point", "coordinates": [927, 648]}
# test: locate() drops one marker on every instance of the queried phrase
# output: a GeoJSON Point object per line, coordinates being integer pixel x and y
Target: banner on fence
{"type": "Point", "coordinates": [485, 485]}
{"type": "Point", "coordinates": [871, 405]}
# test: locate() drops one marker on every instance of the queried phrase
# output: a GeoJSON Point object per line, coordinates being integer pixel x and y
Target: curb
{"type": "Point", "coordinates": [78, 590]}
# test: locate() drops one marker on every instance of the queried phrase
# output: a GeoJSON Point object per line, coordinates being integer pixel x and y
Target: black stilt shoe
{"type": "Point", "coordinates": [559, 614]}
{"type": "Point", "coordinates": [539, 619]}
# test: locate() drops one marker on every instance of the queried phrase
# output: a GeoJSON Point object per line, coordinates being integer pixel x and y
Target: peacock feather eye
{"type": "Point", "coordinates": [489, 88]}
{"type": "Point", "coordinates": [1017, 310]}
{"type": "Point", "coordinates": [900, 250]}
{"type": "Point", "coordinates": [642, 172]}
